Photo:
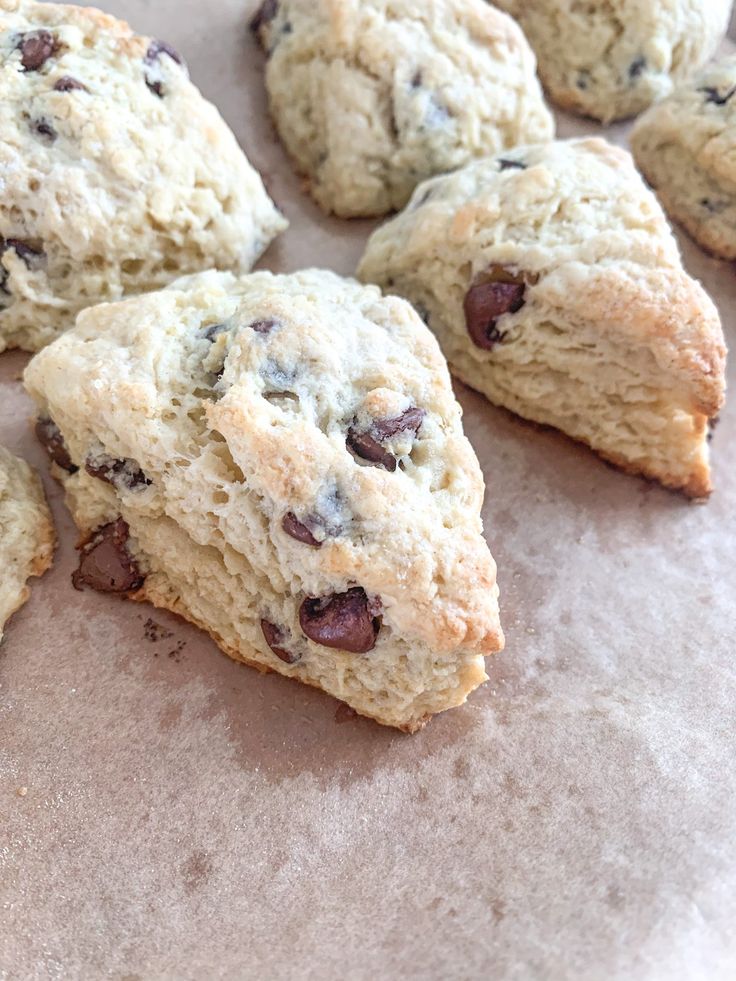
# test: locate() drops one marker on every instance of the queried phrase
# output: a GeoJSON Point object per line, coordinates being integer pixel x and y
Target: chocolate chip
{"type": "Point", "coordinates": [583, 79]}
{"type": "Point", "coordinates": [714, 96]}
{"type": "Point", "coordinates": [263, 326]}
{"type": "Point", "coordinates": [275, 639]}
{"type": "Point", "coordinates": [49, 436]}
{"type": "Point", "coordinates": [367, 445]}
{"type": "Point", "coordinates": [105, 564]}
{"type": "Point", "coordinates": [264, 15]}
{"type": "Point", "coordinates": [69, 84]}
{"type": "Point", "coordinates": [157, 48]}
{"type": "Point", "coordinates": [506, 164]}
{"type": "Point", "coordinates": [156, 87]}
{"type": "Point", "coordinates": [298, 530]}
{"type": "Point", "coordinates": [30, 254]}
{"type": "Point", "coordinates": [409, 420]}
{"type": "Point", "coordinates": [712, 426]}
{"type": "Point", "coordinates": [367, 448]}
{"type": "Point", "coordinates": [214, 330]}
{"type": "Point", "coordinates": [44, 128]}
{"type": "Point", "coordinates": [343, 621]}
{"type": "Point", "coordinates": [121, 474]}
{"type": "Point", "coordinates": [416, 79]}
{"type": "Point", "coordinates": [637, 67]}
{"type": "Point", "coordinates": [499, 292]}
{"type": "Point", "coordinates": [36, 48]}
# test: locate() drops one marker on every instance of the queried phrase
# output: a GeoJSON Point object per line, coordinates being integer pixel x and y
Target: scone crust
{"type": "Point", "coordinates": [27, 536]}
{"type": "Point", "coordinates": [611, 59]}
{"type": "Point", "coordinates": [238, 427]}
{"type": "Point", "coordinates": [370, 98]}
{"type": "Point", "coordinates": [686, 148]}
{"type": "Point", "coordinates": [118, 175]}
{"type": "Point", "coordinates": [595, 249]}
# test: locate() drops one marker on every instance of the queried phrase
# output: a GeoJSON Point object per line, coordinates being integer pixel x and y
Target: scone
{"type": "Point", "coordinates": [116, 176]}
{"type": "Point", "coordinates": [610, 59]}
{"type": "Point", "coordinates": [27, 536]}
{"type": "Point", "coordinates": [555, 287]}
{"type": "Point", "coordinates": [686, 148]}
{"type": "Point", "coordinates": [280, 459]}
{"type": "Point", "coordinates": [371, 98]}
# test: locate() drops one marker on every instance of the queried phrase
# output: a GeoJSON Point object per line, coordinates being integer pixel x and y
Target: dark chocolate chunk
{"type": "Point", "coordinates": [214, 330]}
{"type": "Point", "coordinates": [496, 293]}
{"type": "Point", "coordinates": [343, 621]}
{"type": "Point", "coordinates": [30, 254]}
{"type": "Point", "coordinates": [298, 530]}
{"type": "Point", "coordinates": [122, 474]}
{"type": "Point", "coordinates": [263, 326]}
{"type": "Point", "coordinates": [714, 96]}
{"type": "Point", "coordinates": [49, 436]}
{"type": "Point", "coordinates": [410, 419]}
{"type": "Point", "coordinates": [367, 445]}
{"type": "Point", "coordinates": [156, 87]}
{"type": "Point", "coordinates": [637, 67]}
{"type": "Point", "coordinates": [105, 564]}
{"type": "Point", "coordinates": [36, 47]}
{"type": "Point", "coordinates": [275, 640]}
{"type": "Point", "coordinates": [44, 128]}
{"type": "Point", "coordinates": [416, 79]}
{"type": "Point", "coordinates": [264, 15]}
{"type": "Point", "coordinates": [157, 48]}
{"type": "Point", "coordinates": [506, 164]}
{"type": "Point", "coordinates": [367, 448]}
{"type": "Point", "coordinates": [69, 84]}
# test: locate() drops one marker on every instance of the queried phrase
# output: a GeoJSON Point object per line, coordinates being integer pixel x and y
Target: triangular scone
{"type": "Point", "coordinates": [27, 535]}
{"type": "Point", "coordinates": [281, 460]}
{"type": "Point", "coordinates": [610, 59]}
{"type": "Point", "coordinates": [555, 287]}
{"type": "Point", "coordinates": [116, 176]}
{"type": "Point", "coordinates": [372, 97]}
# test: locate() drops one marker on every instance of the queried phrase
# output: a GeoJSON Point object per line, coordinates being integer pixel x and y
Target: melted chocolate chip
{"type": "Point", "coordinates": [367, 445]}
{"type": "Point", "coordinates": [69, 84]}
{"type": "Point", "coordinates": [298, 530]}
{"type": "Point", "coordinates": [44, 128]}
{"type": "Point", "coordinates": [105, 564]}
{"type": "Point", "coordinates": [343, 621]}
{"type": "Point", "coordinates": [637, 67]}
{"type": "Point", "coordinates": [30, 254]}
{"type": "Point", "coordinates": [506, 164]}
{"type": "Point", "coordinates": [714, 96]}
{"type": "Point", "coordinates": [275, 639]}
{"type": "Point", "coordinates": [499, 292]}
{"type": "Point", "coordinates": [264, 15]}
{"type": "Point", "coordinates": [121, 474]}
{"type": "Point", "coordinates": [263, 326]}
{"type": "Point", "coordinates": [157, 48]}
{"type": "Point", "coordinates": [36, 48]}
{"type": "Point", "coordinates": [214, 330]}
{"type": "Point", "coordinates": [49, 436]}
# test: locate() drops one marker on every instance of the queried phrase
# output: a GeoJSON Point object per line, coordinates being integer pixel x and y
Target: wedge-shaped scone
{"type": "Point", "coordinates": [611, 59]}
{"type": "Point", "coordinates": [280, 459]}
{"type": "Point", "coordinates": [27, 536]}
{"type": "Point", "coordinates": [686, 148]}
{"type": "Point", "coordinates": [370, 98]}
{"type": "Point", "coordinates": [116, 176]}
{"type": "Point", "coordinates": [555, 287]}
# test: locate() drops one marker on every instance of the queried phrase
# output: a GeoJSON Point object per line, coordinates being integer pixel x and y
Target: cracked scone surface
{"type": "Point", "coordinates": [27, 536]}
{"type": "Point", "coordinates": [611, 59]}
{"type": "Point", "coordinates": [370, 98]}
{"type": "Point", "coordinates": [555, 287]}
{"type": "Point", "coordinates": [288, 461]}
{"type": "Point", "coordinates": [117, 176]}
{"type": "Point", "coordinates": [686, 148]}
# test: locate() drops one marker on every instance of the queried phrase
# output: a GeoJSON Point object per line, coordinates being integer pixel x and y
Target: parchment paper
{"type": "Point", "coordinates": [166, 813]}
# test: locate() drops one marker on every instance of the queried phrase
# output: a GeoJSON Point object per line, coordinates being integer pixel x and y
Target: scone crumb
{"type": "Point", "coordinates": [22, 791]}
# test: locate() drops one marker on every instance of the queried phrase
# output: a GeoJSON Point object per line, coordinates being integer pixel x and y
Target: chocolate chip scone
{"type": "Point", "coordinates": [611, 59]}
{"type": "Point", "coordinates": [555, 287]}
{"type": "Point", "coordinates": [686, 148]}
{"type": "Point", "coordinates": [27, 536]}
{"type": "Point", "coordinates": [370, 98]}
{"type": "Point", "coordinates": [280, 459]}
{"type": "Point", "coordinates": [117, 176]}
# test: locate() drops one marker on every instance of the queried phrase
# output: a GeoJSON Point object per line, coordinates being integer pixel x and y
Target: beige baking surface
{"type": "Point", "coordinates": [187, 818]}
